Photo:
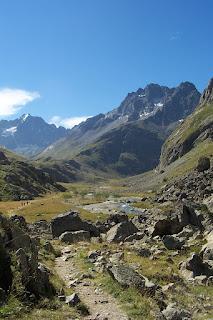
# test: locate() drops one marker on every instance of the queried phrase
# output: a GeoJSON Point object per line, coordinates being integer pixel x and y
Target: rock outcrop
{"type": "Point", "coordinates": [194, 186]}
{"type": "Point", "coordinates": [128, 277]}
{"type": "Point", "coordinates": [167, 225]}
{"type": "Point", "coordinates": [207, 95]}
{"type": "Point", "coordinates": [16, 242]}
{"type": "Point", "coordinates": [71, 221]}
{"type": "Point", "coordinates": [3, 158]}
{"type": "Point", "coordinates": [194, 130]}
{"type": "Point", "coordinates": [195, 266]}
{"type": "Point", "coordinates": [121, 231]}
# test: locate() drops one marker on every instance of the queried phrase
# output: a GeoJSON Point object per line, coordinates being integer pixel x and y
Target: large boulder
{"type": "Point", "coordinates": [75, 236]}
{"type": "Point", "coordinates": [24, 271]}
{"type": "Point", "coordinates": [71, 221]}
{"type": "Point", "coordinates": [189, 215]}
{"type": "Point", "coordinates": [166, 226]}
{"type": "Point", "coordinates": [128, 277]}
{"type": "Point", "coordinates": [15, 233]}
{"type": "Point", "coordinates": [20, 238]}
{"type": "Point", "coordinates": [121, 231]}
{"type": "Point", "coordinates": [195, 266]}
{"type": "Point", "coordinates": [203, 164]}
{"type": "Point", "coordinates": [34, 276]}
{"type": "Point", "coordinates": [43, 286]}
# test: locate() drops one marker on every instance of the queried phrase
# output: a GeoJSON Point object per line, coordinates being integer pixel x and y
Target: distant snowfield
{"type": "Point", "coordinates": [9, 131]}
{"type": "Point", "coordinates": [159, 104]}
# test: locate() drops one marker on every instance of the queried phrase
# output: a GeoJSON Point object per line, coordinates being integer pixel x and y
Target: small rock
{"type": "Point", "coordinates": [93, 255]}
{"type": "Point", "coordinates": [62, 298]}
{"type": "Point", "coordinates": [173, 313]}
{"type": "Point", "coordinates": [203, 164]}
{"type": "Point", "coordinates": [72, 300]}
{"type": "Point", "coordinates": [143, 252]}
{"type": "Point", "coordinates": [168, 287]}
{"type": "Point", "coordinates": [116, 257]}
{"type": "Point", "coordinates": [209, 281]}
{"type": "Point", "coordinates": [200, 279]}
{"type": "Point", "coordinates": [172, 242]}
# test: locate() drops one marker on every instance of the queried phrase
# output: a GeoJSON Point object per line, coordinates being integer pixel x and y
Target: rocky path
{"type": "Point", "coordinates": [101, 305]}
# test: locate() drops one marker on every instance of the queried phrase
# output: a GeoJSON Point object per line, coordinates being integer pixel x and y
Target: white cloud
{"type": "Point", "coordinates": [12, 100]}
{"type": "Point", "coordinates": [68, 122]}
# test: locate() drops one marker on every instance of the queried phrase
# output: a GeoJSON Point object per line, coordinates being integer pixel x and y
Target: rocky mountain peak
{"type": "Point", "coordinates": [28, 134]}
{"type": "Point", "coordinates": [207, 95]}
{"type": "Point", "coordinates": [187, 84]}
{"type": "Point", "coordinates": [154, 106]}
{"type": "Point", "coordinates": [155, 91]}
{"type": "Point", "coordinates": [24, 117]}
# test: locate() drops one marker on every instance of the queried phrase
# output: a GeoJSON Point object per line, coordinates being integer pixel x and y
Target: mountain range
{"type": "Point", "coordinates": [167, 128]}
{"type": "Point", "coordinates": [127, 140]}
{"type": "Point", "coordinates": [29, 135]}
{"type": "Point", "coordinates": [189, 144]}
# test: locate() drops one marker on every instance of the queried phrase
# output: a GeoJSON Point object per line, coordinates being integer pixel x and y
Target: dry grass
{"type": "Point", "coordinates": [64, 312]}
{"type": "Point", "coordinates": [41, 208]}
{"type": "Point", "coordinates": [77, 195]}
{"type": "Point", "coordinates": [53, 204]}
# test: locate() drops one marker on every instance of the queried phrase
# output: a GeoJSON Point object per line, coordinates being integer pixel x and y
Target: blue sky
{"type": "Point", "coordinates": [76, 58]}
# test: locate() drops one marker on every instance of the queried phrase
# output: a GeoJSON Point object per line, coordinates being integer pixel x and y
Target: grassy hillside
{"type": "Point", "coordinates": [155, 179]}
{"type": "Point", "coordinates": [20, 180]}
{"type": "Point", "coordinates": [196, 129]}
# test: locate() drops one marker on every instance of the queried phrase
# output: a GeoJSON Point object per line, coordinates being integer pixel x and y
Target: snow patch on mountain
{"type": "Point", "coordinates": [159, 104]}
{"type": "Point", "coordinates": [9, 132]}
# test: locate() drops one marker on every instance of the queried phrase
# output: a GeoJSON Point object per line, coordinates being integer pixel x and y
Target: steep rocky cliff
{"type": "Point", "coordinates": [196, 130]}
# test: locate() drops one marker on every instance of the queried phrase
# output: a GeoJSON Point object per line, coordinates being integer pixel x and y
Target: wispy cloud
{"type": "Point", "coordinates": [12, 100]}
{"type": "Point", "coordinates": [175, 36]}
{"type": "Point", "coordinates": [68, 122]}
